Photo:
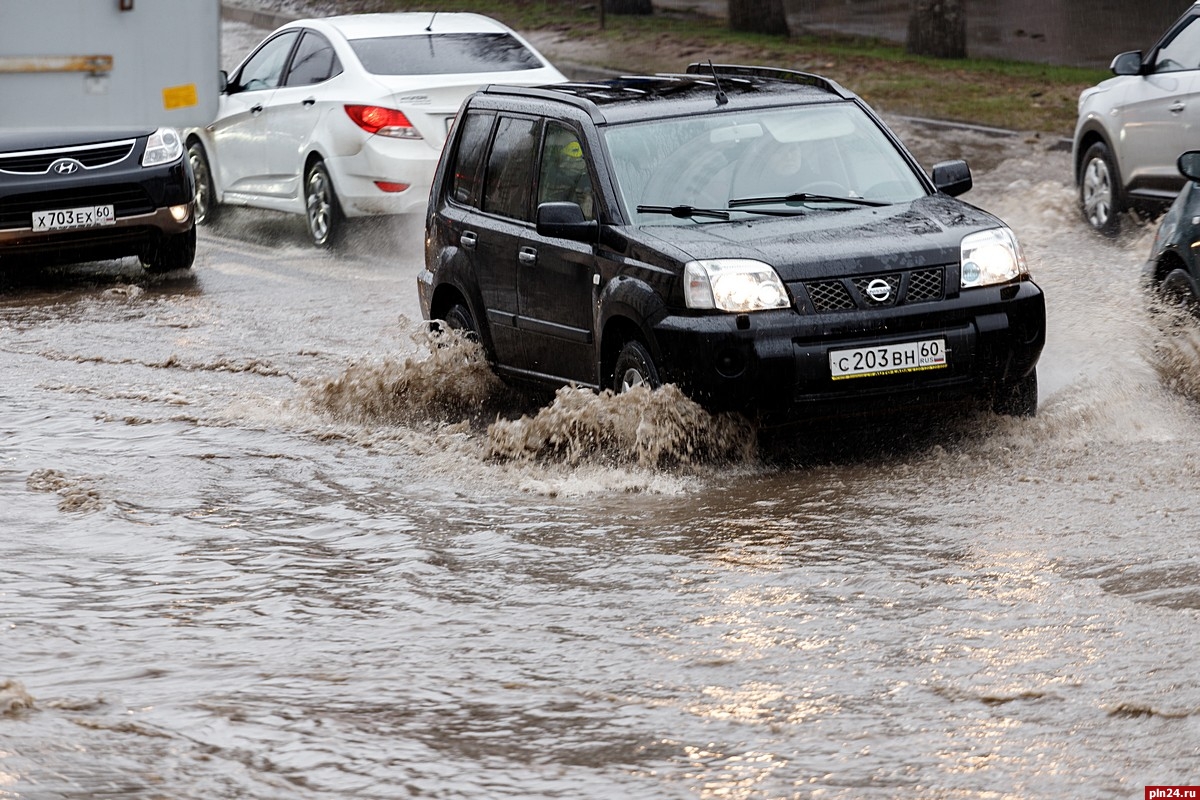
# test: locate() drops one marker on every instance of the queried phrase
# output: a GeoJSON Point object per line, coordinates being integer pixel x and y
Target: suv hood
{"type": "Point", "coordinates": [829, 243]}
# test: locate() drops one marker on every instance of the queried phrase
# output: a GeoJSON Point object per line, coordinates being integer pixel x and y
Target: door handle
{"type": "Point", "coordinates": [308, 101]}
{"type": "Point", "coordinates": [527, 256]}
{"type": "Point", "coordinates": [256, 108]}
{"type": "Point", "coordinates": [468, 240]}
{"type": "Point", "coordinates": [1177, 107]}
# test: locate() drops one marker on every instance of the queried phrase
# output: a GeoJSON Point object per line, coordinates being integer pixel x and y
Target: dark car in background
{"type": "Point", "coordinates": [70, 196]}
{"type": "Point", "coordinates": [1173, 269]}
{"type": "Point", "coordinates": [758, 237]}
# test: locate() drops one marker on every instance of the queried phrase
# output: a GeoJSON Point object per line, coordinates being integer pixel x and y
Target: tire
{"type": "Point", "coordinates": [1018, 399]}
{"type": "Point", "coordinates": [634, 367]}
{"type": "Point", "coordinates": [173, 252]}
{"type": "Point", "coordinates": [321, 209]}
{"type": "Point", "coordinates": [1177, 289]}
{"type": "Point", "coordinates": [205, 205]}
{"type": "Point", "coordinates": [458, 318]}
{"type": "Point", "coordinates": [1100, 197]}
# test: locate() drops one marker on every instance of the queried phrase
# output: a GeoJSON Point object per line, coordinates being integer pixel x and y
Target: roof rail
{"type": "Point", "coordinates": [775, 73]}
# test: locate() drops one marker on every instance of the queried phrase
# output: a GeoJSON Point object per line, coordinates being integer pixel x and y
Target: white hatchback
{"type": "Point", "coordinates": [346, 116]}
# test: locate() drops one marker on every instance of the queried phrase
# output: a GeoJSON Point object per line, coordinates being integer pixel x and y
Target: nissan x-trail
{"type": "Point", "coordinates": [758, 237]}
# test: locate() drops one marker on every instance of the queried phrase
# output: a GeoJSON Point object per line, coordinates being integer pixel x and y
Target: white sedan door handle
{"type": "Point", "coordinates": [308, 101]}
{"type": "Point", "coordinates": [1177, 107]}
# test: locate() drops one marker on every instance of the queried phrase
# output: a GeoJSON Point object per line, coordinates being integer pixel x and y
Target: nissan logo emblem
{"type": "Point", "coordinates": [65, 166]}
{"type": "Point", "coordinates": [879, 290]}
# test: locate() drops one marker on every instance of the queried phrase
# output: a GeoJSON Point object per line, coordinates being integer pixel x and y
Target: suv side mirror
{"type": "Point", "coordinates": [1189, 165]}
{"type": "Point", "coordinates": [222, 81]}
{"type": "Point", "coordinates": [566, 221]}
{"type": "Point", "coordinates": [1129, 63]}
{"type": "Point", "coordinates": [952, 177]}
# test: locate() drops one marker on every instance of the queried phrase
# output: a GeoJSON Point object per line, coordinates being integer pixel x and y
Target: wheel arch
{"type": "Point", "coordinates": [1090, 134]}
{"type": "Point", "coordinates": [629, 309]}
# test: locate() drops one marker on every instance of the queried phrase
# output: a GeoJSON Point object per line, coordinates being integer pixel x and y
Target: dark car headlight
{"type": "Point", "coordinates": [990, 257]}
{"type": "Point", "coordinates": [163, 147]}
{"type": "Point", "coordinates": [733, 284]}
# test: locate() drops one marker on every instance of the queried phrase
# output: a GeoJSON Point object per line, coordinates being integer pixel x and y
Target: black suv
{"type": "Point", "coordinates": [758, 237]}
{"type": "Point", "coordinates": [78, 195]}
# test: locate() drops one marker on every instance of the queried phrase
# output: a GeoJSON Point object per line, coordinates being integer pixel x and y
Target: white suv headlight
{"type": "Point", "coordinates": [733, 284]}
{"type": "Point", "coordinates": [163, 147]}
{"type": "Point", "coordinates": [990, 257]}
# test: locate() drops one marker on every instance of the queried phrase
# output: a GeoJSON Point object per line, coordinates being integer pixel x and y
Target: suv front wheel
{"type": "Point", "coordinates": [634, 367]}
{"type": "Point", "coordinates": [1100, 190]}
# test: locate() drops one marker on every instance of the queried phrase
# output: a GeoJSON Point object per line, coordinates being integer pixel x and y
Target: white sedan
{"type": "Point", "coordinates": [346, 116]}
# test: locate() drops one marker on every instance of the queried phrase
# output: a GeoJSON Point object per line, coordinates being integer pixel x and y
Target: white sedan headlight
{"type": "Point", "coordinates": [163, 147]}
{"type": "Point", "coordinates": [993, 256]}
{"type": "Point", "coordinates": [733, 284]}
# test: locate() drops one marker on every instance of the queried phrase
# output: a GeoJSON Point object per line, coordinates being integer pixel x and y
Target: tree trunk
{"type": "Point", "coordinates": [938, 28]}
{"type": "Point", "coordinates": [758, 16]}
{"type": "Point", "coordinates": [628, 6]}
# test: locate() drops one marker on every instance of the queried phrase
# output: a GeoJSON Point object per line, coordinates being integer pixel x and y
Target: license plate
{"type": "Point", "coordinates": [888, 359]}
{"type": "Point", "coordinates": [63, 218]}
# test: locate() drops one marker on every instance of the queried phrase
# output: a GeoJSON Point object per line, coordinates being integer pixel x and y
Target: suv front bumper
{"type": "Point", "coordinates": [777, 363]}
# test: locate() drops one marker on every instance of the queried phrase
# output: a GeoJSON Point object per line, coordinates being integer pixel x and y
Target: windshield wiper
{"type": "Point", "coordinates": [804, 197]}
{"type": "Point", "coordinates": [684, 212]}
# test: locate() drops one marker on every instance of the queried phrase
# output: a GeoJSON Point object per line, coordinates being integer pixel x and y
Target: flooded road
{"type": "Point", "coordinates": [261, 542]}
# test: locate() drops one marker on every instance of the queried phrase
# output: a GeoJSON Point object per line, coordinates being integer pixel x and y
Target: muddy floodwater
{"type": "Point", "coordinates": [260, 540]}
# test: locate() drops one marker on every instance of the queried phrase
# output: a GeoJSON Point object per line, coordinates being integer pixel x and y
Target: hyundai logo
{"type": "Point", "coordinates": [66, 166]}
{"type": "Point", "coordinates": [879, 290]}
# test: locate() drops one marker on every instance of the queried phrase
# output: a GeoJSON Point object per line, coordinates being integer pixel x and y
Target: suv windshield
{"type": "Point", "coordinates": [770, 160]}
{"type": "Point", "coordinates": [443, 53]}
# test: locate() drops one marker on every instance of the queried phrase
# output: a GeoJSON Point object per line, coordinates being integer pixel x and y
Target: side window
{"type": "Point", "coordinates": [314, 61]}
{"type": "Point", "coordinates": [468, 164]}
{"type": "Point", "coordinates": [264, 69]}
{"type": "Point", "coordinates": [510, 168]}
{"type": "Point", "coordinates": [564, 170]}
{"type": "Point", "coordinates": [1182, 52]}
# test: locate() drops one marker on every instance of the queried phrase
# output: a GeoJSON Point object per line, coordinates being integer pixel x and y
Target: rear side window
{"type": "Point", "coordinates": [467, 171]}
{"type": "Point", "coordinates": [314, 61]}
{"type": "Point", "coordinates": [510, 168]}
{"type": "Point", "coordinates": [444, 53]}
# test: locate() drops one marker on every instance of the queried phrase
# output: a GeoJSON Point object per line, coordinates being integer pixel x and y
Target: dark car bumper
{"type": "Point", "coordinates": [777, 363]}
{"type": "Point", "coordinates": [142, 199]}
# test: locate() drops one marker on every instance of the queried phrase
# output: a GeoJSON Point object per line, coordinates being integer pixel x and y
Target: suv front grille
{"type": "Point", "coordinates": [16, 211]}
{"type": "Point", "coordinates": [848, 294]}
{"type": "Point", "coordinates": [92, 156]}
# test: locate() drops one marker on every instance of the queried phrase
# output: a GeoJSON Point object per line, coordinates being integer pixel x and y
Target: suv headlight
{"type": "Point", "coordinates": [990, 257]}
{"type": "Point", "coordinates": [733, 284]}
{"type": "Point", "coordinates": [163, 147]}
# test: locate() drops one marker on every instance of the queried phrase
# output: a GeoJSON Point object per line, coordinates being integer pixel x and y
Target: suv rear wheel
{"type": "Point", "coordinates": [634, 367]}
{"type": "Point", "coordinates": [1100, 190]}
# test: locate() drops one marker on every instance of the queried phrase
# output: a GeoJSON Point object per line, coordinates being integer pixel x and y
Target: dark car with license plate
{"type": "Point", "coordinates": [758, 237]}
{"type": "Point", "coordinates": [75, 195]}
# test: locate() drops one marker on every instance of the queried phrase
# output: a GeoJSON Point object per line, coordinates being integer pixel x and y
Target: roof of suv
{"type": "Point", "coordinates": [702, 88]}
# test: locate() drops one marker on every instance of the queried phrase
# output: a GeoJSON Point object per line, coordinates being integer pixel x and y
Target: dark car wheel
{"type": "Point", "coordinates": [1177, 288]}
{"type": "Point", "coordinates": [205, 207]}
{"type": "Point", "coordinates": [1018, 399]}
{"type": "Point", "coordinates": [1100, 197]}
{"type": "Point", "coordinates": [458, 318]}
{"type": "Point", "coordinates": [634, 367]}
{"type": "Point", "coordinates": [322, 211]}
{"type": "Point", "coordinates": [173, 252]}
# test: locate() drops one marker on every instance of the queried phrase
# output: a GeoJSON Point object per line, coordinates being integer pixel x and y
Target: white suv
{"type": "Point", "coordinates": [1132, 127]}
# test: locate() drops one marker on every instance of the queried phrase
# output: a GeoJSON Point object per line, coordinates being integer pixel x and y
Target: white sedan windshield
{"type": "Point", "coordinates": [756, 158]}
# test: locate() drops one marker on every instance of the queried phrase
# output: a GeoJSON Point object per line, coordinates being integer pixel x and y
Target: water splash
{"type": "Point", "coordinates": [659, 428]}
